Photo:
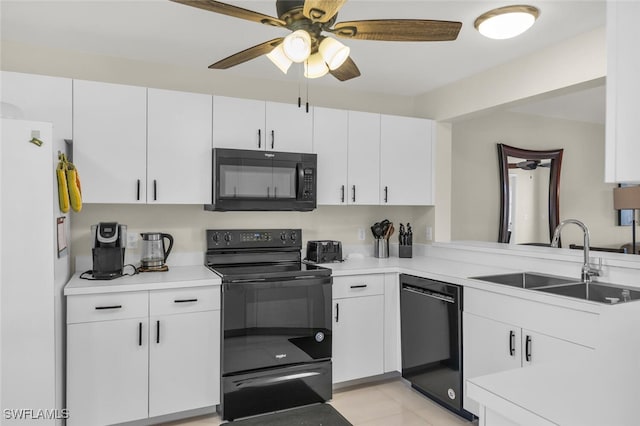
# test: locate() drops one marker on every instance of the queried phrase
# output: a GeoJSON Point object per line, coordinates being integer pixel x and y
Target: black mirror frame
{"type": "Point", "coordinates": [555, 156]}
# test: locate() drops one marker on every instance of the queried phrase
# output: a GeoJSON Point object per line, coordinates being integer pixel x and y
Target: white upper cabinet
{"type": "Point", "coordinates": [238, 123]}
{"type": "Point", "coordinates": [251, 124]}
{"type": "Point", "coordinates": [406, 161]}
{"type": "Point", "coordinates": [622, 149]}
{"type": "Point", "coordinates": [364, 158]}
{"type": "Point", "coordinates": [179, 147]}
{"type": "Point", "coordinates": [289, 128]}
{"type": "Point", "coordinates": [110, 140]}
{"type": "Point", "coordinates": [330, 131]}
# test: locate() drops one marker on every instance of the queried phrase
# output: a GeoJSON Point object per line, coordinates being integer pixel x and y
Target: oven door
{"type": "Point", "coordinates": [273, 323]}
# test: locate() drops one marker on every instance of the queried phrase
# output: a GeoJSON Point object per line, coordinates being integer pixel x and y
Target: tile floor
{"type": "Point", "coordinates": [387, 403]}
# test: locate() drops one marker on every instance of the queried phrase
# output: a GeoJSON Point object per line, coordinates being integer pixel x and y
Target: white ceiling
{"type": "Point", "coordinates": [161, 31]}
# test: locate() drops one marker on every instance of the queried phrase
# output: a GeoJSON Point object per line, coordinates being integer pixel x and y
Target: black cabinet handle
{"type": "Point", "coordinates": [100, 308]}
{"type": "Point", "coordinates": [527, 349]}
{"type": "Point", "coordinates": [337, 312]}
{"type": "Point", "coordinates": [342, 194]}
{"type": "Point", "coordinates": [512, 343]}
{"type": "Point", "coordinates": [359, 286]}
{"type": "Point", "coordinates": [139, 334]}
{"type": "Point", "coordinates": [353, 197]}
{"type": "Point", "coordinates": [185, 300]}
{"type": "Point", "coordinates": [386, 194]}
{"type": "Point", "coordinates": [155, 190]}
{"type": "Point", "coordinates": [157, 331]}
{"type": "Point", "coordinates": [259, 138]}
{"type": "Point", "coordinates": [138, 191]}
{"type": "Point", "coordinates": [273, 138]}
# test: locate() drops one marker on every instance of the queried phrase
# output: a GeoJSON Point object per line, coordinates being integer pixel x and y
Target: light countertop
{"type": "Point", "coordinates": [175, 277]}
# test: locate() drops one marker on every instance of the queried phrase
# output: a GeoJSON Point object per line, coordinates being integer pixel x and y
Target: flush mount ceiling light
{"type": "Point", "coordinates": [506, 22]}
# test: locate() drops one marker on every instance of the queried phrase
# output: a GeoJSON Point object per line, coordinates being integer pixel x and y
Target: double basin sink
{"type": "Point", "coordinates": [596, 292]}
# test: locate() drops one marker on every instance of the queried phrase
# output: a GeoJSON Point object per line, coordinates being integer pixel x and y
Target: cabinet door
{"type": "Point", "coordinates": [109, 141]}
{"type": "Point", "coordinates": [179, 147]}
{"type": "Point", "coordinates": [107, 374]}
{"type": "Point", "coordinates": [489, 347]}
{"type": "Point", "coordinates": [406, 161]}
{"type": "Point", "coordinates": [364, 158]}
{"type": "Point", "coordinates": [330, 129]}
{"type": "Point", "coordinates": [184, 362]}
{"type": "Point", "coordinates": [623, 92]}
{"type": "Point", "coordinates": [357, 343]}
{"type": "Point", "coordinates": [540, 349]}
{"type": "Point", "coordinates": [289, 128]}
{"type": "Point", "coordinates": [238, 123]}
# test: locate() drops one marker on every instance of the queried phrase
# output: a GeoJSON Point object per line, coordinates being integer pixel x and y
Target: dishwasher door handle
{"type": "Point", "coordinates": [427, 293]}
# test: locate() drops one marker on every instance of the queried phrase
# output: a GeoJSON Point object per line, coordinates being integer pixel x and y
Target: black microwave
{"type": "Point", "coordinates": [263, 180]}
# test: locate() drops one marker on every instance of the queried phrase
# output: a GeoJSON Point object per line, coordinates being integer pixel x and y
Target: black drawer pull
{"type": "Point", "coordinates": [100, 308]}
{"type": "Point", "coordinates": [185, 300]}
{"type": "Point", "coordinates": [139, 334]}
{"type": "Point", "coordinates": [157, 331]}
{"type": "Point", "coordinates": [259, 138]}
{"type": "Point", "coordinates": [337, 312]}
{"type": "Point", "coordinates": [359, 286]}
{"type": "Point", "coordinates": [527, 350]}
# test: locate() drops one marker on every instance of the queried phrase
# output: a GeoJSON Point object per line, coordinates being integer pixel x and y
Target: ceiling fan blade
{"type": "Point", "coordinates": [247, 54]}
{"type": "Point", "coordinates": [346, 71]}
{"type": "Point", "coordinates": [398, 30]}
{"type": "Point", "coordinates": [322, 10]}
{"type": "Point", "coordinates": [236, 12]}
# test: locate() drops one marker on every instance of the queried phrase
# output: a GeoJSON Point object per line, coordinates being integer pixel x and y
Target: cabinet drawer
{"type": "Point", "coordinates": [182, 300]}
{"type": "Point", "coordinates": [358, 285]}
{"type": "Point", "coordinates": [105, 307]}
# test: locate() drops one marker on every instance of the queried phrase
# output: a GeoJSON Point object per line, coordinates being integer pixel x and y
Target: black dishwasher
{"type": "Point", "coordinates": [431, 333]}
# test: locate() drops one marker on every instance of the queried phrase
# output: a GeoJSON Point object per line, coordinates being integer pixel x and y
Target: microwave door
{"type": "Point", "coordinates": [285, 180]}
{"type": "Point", "coordinates": [245, 179]}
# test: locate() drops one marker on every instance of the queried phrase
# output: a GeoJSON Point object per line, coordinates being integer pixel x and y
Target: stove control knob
{"type": "Point", "coordinates": [227, 237]}
{"type": "Point", "coordinates": [293, 236]}
{"type": "Point", "coordinates": [283, 236]}
{"type": "Point", "coordinates": [215, 237]}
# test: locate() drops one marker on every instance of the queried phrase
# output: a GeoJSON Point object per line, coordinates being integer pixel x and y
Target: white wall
{"type": "Point", "coordinates": [583, 193]}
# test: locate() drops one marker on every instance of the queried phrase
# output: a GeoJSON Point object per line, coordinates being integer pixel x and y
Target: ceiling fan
{"type": "Point", "coordinates": [308, 20]}
{"type": "Point", "coordinates": [529, 165]}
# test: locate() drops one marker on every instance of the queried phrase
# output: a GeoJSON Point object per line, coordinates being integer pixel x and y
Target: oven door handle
{"type": "Point", "coordinates": [270, 380]}
{"type": "Point", "coordinates": [277, 283]}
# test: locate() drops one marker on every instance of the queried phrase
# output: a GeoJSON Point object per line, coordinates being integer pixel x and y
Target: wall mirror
{"type": "Point", "coordinates": [529, 194]}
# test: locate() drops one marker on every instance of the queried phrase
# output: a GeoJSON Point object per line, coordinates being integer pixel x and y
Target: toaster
{"type": "Point", "coordinates": [324, 251]}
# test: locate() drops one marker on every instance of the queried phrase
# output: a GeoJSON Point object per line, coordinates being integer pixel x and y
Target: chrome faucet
{"type": "Point", "coordinates": [587, 270]}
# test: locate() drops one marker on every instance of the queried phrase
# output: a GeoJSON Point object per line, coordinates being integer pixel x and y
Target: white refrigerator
{"type": "Point", "coordinates": [27, 254]}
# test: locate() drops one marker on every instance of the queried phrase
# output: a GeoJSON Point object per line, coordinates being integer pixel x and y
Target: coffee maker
{"type": "Point", "coordinates": [109, 240]}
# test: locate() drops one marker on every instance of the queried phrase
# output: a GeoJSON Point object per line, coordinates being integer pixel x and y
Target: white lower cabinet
{"type": "Point", "coordinates": [358, 327]}
{"type": "Point", "coordinates": [498, 335]}
{"type": "Point", "coordinates": [136, 355]}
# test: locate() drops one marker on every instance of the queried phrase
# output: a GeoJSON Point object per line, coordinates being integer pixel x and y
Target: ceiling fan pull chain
{"type": "Point", "coordinates": [307, 103]}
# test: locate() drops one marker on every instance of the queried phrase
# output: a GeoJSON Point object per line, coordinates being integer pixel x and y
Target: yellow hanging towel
{"type": "Point", "coordinates": [69, 189]}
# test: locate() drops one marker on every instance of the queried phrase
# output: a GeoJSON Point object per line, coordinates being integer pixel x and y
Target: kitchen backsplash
{"type": "Point", "coordinates": [187, 223]}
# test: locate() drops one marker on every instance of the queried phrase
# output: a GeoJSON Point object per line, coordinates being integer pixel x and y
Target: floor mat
{"type": "Point", "coordinates": [311, 415]}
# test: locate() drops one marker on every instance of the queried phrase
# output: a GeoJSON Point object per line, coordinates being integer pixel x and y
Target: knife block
{"type": "Point", "coordinates": [405, 251]}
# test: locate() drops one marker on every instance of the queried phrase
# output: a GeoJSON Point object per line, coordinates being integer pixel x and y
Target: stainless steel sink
{"type": "Point", "coordinates": [597, 292]}
{"type": "Point", "coordinates": [527, 279]}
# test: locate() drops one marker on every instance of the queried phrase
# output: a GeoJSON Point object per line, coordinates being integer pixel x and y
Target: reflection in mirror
{"type": "Point", "coordinates": [529, 190]}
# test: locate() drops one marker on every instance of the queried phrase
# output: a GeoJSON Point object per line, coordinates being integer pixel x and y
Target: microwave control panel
{"type": "Point", "coordinates": [309, 184]}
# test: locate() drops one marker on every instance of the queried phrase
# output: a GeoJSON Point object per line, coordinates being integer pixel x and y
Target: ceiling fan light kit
{"type": "Point", "coordinates": [308, 19]}
{"type": "Point", "coordinates": [279, 58]}
{"type": "Point", "coordinates": [297, 46]}
{"type": "Point", "coordinates": [315, 66]}
{"type": "Point", "coordinates": [506, 22]}
{"type": "Point", "coordinates": [333, 52]}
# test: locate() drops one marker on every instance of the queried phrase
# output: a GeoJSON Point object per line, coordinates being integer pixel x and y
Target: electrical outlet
{"type": "Point", "coordinates": [429, 234]}
{"type": "Point", "coordinates": [361, 234]}
{"type": "Point", "coordinates": [132, 240]}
